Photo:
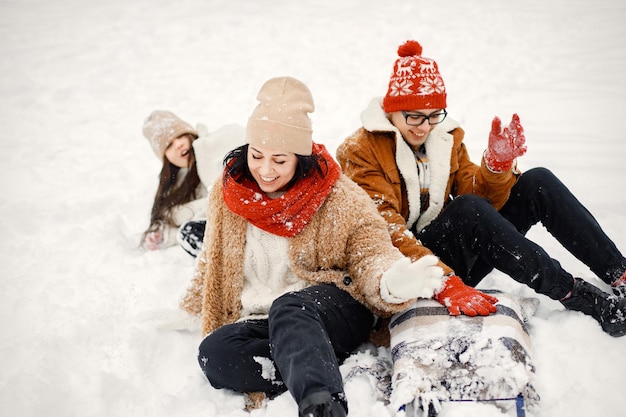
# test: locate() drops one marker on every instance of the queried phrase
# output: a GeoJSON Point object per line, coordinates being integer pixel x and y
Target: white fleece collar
{"type": "Point", "coordinates": [438, 148]}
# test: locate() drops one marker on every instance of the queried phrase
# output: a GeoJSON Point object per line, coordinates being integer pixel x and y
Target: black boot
{"type": "Point", "coordinates": [323, 404]}
{"type": "Point", "coordinates": [608, 310]}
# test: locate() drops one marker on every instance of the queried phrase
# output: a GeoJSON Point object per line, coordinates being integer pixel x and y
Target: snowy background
{"type": "Point", "coordinates": [78, 77]}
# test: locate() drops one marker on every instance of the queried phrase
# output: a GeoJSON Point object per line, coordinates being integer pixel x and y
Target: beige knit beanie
{"type": "Point", "coordinates": [281, 119]}
{"type": "Point", "coordinates": [162, 127]}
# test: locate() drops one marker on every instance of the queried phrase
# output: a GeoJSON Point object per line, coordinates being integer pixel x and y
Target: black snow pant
{"type": "Point", "coordinates": [473, 238]}
{"type": "Point", "coordinates": [299, 347]}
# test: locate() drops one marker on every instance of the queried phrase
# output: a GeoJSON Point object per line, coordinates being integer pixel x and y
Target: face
{"type": "Point", "coordinates": [179, 151]}
{"type": "Point", "coordinates": [271, 169]}
{"type": "Point", "coordinates": [415, 136]}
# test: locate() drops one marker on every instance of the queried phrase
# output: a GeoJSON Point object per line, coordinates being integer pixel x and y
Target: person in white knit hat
{"type": "Point", "coordinates": [296, 264]}
{"type": "Point", "coordinates": [191, 159]}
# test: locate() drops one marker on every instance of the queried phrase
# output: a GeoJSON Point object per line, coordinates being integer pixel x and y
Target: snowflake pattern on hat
{"type": "Point", "coordinates": [416, 67]}
{"type": "Point", "coordinates": [415, 82]}
{"type": "Point", "coordinates": [432, 85]}
{"type": "Point", "coordinates": [401, 88]}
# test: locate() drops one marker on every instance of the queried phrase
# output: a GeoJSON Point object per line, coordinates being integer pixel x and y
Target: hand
{"type": "Point", "coordinates": [619, 286]}
{"type": "Point", "coordinates": [153, 239]}
{"type": "Point", "coordinates": [406, 280]}
{"type": "Point", "coordinates": [505, 145]}
{"type": "Point", "coordinates": [461, 298]}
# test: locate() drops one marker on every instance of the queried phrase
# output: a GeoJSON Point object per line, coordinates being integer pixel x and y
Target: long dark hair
{"type": "Point", "coordinates": [169, 195]}
{"type": "Point", "coordinates": [236, 163]}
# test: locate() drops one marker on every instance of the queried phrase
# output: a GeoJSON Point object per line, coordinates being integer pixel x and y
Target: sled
{"type": "Point", "coordinates": [438, 358]}
{"type": "Point", "coordinates": [520, 407]}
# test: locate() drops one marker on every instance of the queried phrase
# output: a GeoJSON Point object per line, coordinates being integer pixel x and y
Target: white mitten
{"type": "Point", "coordinates": [406, 280]}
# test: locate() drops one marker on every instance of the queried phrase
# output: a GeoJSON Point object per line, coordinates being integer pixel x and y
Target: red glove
{"type": "Point", "coordinates": [461, 298]}
{"type": "Point", "coordinates": [505, 145]}
{"type": "Point", "coordinates": [619, 286]}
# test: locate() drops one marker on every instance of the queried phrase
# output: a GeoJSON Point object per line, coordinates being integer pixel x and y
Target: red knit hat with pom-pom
{"type": "Point", "coordinates": [415, 83]}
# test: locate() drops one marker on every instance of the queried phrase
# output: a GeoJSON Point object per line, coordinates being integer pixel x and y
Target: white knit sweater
{"type": "Point", "coordinates": [267, 272]}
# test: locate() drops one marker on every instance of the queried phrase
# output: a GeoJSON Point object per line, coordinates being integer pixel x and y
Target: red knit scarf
{"type": "Point", "coordinates": [287, 215]}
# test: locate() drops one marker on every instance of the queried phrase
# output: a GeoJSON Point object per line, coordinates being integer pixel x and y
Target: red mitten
{"type": "Point", "coordinates": [505, 145]}
{"type": "Point", "coordinates": [461, 298]}
{"type": "Point", "coordinates": [619, 286]}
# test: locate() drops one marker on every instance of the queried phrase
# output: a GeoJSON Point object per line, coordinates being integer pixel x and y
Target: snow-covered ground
{"type": "Point", "coordinates": [78, 298]}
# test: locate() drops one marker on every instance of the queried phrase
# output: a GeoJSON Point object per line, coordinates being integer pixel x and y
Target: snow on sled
{"type": "Point", "coordinates": [438, 358]}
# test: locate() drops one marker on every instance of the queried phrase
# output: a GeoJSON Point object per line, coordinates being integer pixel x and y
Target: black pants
{"type": "Point", "coordinates": [473, 238]}
{"type": "Point", "coordinates": [308, 333]}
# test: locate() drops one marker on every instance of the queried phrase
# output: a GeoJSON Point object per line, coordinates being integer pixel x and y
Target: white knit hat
{"type": "Point", "coordinates": [162, 127]}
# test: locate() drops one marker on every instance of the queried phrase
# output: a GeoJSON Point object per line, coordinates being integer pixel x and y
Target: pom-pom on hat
{"type": "Point", "coordinates": [162, 127]}
{"type": "Point", "coordinates": [281, 119]}
{"type": "Point", "coordinates": [415, 82]}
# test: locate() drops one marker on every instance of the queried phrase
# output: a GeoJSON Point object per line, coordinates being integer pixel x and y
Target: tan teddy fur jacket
{"type": "Point", "coordinates": [346, 243]}
{"type": "Point", "coordinates": [378, 159]}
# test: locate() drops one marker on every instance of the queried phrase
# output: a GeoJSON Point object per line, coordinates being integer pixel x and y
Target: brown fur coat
{"type": "Point", "coordinates": [346, 243]}
{"type": "Point", "coordinates": [378, 159]}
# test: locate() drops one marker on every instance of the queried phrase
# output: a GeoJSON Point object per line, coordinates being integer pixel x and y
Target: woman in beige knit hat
{"type": "Point", "coordinates": [296, 265]}
{"type": "Point", "coordinates": [191, 161]}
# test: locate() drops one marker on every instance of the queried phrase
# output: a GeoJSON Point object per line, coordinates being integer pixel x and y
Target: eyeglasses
{"type": "Point", "coordinates": [413, 119]}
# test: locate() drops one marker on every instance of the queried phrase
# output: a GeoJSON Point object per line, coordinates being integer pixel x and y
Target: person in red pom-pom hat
{"type": "Point", "coordinates": [411, 159]}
